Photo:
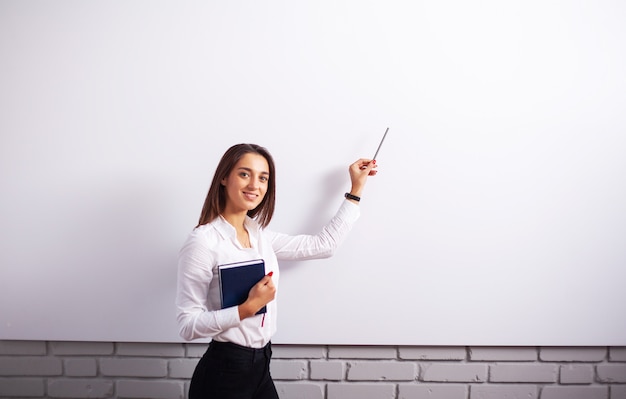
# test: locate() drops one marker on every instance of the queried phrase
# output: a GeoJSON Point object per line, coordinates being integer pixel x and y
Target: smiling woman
{"type": "Point", "coordinates": [232, 229]}
{"type": "Point", "coordinates": [230, 164]}
{"type": "Point", "coordinates": [245, 187]}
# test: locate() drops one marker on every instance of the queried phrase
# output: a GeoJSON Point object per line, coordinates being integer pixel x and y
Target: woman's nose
{"type": "Point", "coordinates": [253, 183]}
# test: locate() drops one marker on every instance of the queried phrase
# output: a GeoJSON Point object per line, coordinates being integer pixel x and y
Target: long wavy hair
{"type": "Point", "coordinates": [215, 201]}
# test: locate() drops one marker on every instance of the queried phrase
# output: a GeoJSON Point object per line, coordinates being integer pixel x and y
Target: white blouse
{"type": "Point", "coordinates": [199, 313]}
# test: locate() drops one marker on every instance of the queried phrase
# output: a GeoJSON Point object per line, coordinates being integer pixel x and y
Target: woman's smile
{"type": "Point", "coordinates": [250, 196]}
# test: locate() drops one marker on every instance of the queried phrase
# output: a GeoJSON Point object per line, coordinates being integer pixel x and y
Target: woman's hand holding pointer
{"type": "Point", "coordinates": [359, 171]}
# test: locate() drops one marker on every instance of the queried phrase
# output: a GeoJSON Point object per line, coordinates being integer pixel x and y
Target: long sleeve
{"type": "Point", "coordinates": [197, 318]}
{"type": "Point", "coordinates": [321, 245]}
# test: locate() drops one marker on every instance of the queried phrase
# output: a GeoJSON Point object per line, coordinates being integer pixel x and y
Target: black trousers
{"type": "Point", "coordinates": [230, 371]}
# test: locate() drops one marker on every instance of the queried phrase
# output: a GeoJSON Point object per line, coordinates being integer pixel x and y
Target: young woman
{"type": "Point", "coordinates": [233, 228]}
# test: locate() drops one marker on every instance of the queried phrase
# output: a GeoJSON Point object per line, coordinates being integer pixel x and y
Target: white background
{"type": "Point", "coordinates": [498, 216]}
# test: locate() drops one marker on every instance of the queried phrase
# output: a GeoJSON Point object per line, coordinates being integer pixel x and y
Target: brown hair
{"type": "Point", "coordinates": [215, 201]}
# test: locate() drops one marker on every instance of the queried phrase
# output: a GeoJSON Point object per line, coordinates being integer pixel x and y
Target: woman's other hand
{"type": "Point", "coordinates": [260, 295]}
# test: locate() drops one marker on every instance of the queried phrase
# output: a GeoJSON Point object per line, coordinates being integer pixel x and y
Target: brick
{"type": "Point", "coordinates": [133, 367]}
{"type": "Point", "coordinates": [571, 354]}
{"type": "Point", "coordinates": [82, 348]}
{"type": "Point", "coordinates": [327, 370]}
{"type": "Point", "coordinates": [381, 371]}
{"type": "Point", "coordinates": [617, 354]}
{"type": "Point", "coordinates": [154, 389]}
{"type": "Point", "coordinates": [298, 352]}
{"type": "Point", "coordinates": [432, 391]}
{"type": "Point", "coordinates": [30, 365]}
{"type": "Point", "coordinates": [433, 352]}
{"type": "Point", "coordinates": [612, 373]}
{"type": "Point", "coordinates": [195, 350]}
{"type": "Point", "coordinates": [80, 388]}
{"type": "Point", "coordinates": [361, 391]}
{"type": "Point", "coordinates": [80, 367]}
{"type": "Point", "coordinates": [491, 391]}
{"type": "Point", "coordinates": [299, 391]}
{"type": "Point", "coordinates": [21, 387]}
{"type": "Point", "coordinates": [362, 352]}
{"type": "Point", "coordinates": [150, 349]}
{"type": "Point", "coordinates": [182, 368]}
{"type": "Point", "coordinates": [289, 369]}
{"type": "Point", "coordinates": [576, 374]}
{"type": "Point", "coordinates": [523, 373]}
{"type": "Point", "coordinates": [503, 354]}
{"type": "Point", "coordinates": [450, 372]}
{"type": "Point", "coordinates": [587, 392]}
{"type": "Point", "coordinates": [22, 348]}
{"type": "Point", "coordinates": [618, 392]}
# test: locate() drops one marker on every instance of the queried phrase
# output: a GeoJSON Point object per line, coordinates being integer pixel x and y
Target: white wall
{"type": "Point", "coordinates": [497, 217]}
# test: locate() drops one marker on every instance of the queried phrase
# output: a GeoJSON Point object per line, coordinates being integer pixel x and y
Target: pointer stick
{"type": "Point", "coordinates": [381, 144]}
{"type": "Point", "coordinates": [378, 149]}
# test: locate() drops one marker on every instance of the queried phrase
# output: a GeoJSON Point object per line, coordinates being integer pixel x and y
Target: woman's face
{"type": "Point", "coordinates": [246, 184]}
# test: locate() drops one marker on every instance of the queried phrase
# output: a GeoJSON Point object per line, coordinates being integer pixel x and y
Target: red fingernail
{"type": "Point", "coordinates": [374, 161]}
{"type": "Point", "coordinates": [270, 274]}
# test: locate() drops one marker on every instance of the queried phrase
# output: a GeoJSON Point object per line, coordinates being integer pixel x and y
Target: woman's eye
{"type": "Point", "coordinates": [243, 174]}
{"type": "Point", "coordinates": [264, 178]}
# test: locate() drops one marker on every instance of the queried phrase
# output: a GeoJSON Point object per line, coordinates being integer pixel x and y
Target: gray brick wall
{"type": "Point", "coordinates": [36, 369]}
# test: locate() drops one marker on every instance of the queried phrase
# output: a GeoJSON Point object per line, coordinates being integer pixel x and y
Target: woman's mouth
{"type": "Point", "coordinates": [250, 196]}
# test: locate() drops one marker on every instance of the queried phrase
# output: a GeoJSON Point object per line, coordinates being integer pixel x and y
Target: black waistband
{"type": "Point", "coordinates": [239, 348]}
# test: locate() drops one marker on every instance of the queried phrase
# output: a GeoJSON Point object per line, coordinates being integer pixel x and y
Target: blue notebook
{"type": "Point", "coordinates": [236, 280]}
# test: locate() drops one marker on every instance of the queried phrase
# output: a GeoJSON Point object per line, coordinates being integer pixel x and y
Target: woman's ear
{"type": "Point", "coordinates": [224, 181]}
